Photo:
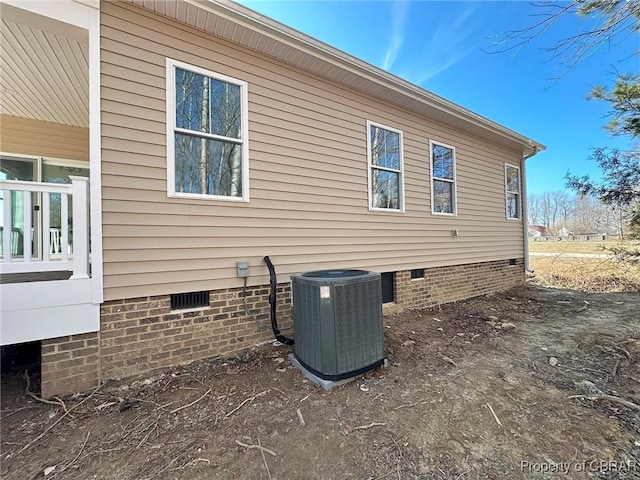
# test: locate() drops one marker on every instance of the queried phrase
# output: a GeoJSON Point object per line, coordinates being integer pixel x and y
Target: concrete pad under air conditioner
{"type": "Point", "coordinates": [321, 382]}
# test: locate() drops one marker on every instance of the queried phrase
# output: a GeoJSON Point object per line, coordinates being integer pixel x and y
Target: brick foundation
{"type": "Point", "coordinates": [69, 364]}
{"type": "Point", "coordinates": [143, 336]}
{"type": "Point", "coordinates": [450, 284]}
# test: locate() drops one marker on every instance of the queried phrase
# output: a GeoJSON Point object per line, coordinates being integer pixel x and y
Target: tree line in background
{"type": "Point", "coordinates": [579, 214]}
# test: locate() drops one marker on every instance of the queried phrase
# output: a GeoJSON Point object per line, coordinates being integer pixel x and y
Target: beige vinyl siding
{"type": "Point", "coordinates": [308, 204]}
{"type": "Point", "coordinates": [25, 136]}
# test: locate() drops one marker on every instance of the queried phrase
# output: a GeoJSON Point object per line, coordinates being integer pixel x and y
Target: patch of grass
{"type": "Point", "coordinates": [586, 274]}
{"type": "Point", "coordinates": [567, 246]}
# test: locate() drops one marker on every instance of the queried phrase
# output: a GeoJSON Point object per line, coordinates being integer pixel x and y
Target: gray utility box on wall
{"type": "Point", "coordinates": [337, 317]}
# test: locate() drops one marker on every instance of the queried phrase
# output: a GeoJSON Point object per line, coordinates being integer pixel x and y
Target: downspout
{"type": "Point", "coordinates": [525, 213]}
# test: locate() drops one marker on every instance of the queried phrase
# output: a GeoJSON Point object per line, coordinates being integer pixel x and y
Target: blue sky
{"type": "Point", "coordinates": [442, 46]}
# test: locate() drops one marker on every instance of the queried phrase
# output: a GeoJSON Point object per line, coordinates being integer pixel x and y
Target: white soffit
{"type": "Point", "coordinates": [243, 26]}
{"type": "Point", "coordinates": [44, 68]}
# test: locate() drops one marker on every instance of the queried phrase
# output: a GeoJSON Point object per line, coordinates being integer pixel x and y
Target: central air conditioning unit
{"type": "Point", "coordinates": [337, 318]}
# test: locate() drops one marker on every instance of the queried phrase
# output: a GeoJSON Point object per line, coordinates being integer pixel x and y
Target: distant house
{"type": "Point", "coordinates": [211, 134]}
{"type": "Point", "coordinates": [565, 232]}
{"type": "Point", "coordinates": [539, 231]}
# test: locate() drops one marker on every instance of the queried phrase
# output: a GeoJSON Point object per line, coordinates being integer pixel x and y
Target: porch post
{"type": "Point", "coordinates": [6, 227]}
{"type": "Point", "coordinates": [80, 234]}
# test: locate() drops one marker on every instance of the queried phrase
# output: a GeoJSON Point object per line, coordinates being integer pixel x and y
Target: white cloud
{"type": "Point", "coordinates": [445, 46]}
{"type": "Point", "coordinates": [399, 18]}
{"type": "Point", "coordinates": [424, 75]}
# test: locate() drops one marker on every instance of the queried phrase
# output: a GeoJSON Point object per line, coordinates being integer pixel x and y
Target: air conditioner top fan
{"type": "Point", "coordinates": [337, 317]}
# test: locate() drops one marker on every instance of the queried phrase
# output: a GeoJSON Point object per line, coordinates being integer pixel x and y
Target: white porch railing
{"type": "Point", "coordinates": [43, 248]}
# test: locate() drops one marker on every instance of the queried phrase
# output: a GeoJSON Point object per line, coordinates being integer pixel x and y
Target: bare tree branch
{"type": "Point", "coordinates": [612, 22]}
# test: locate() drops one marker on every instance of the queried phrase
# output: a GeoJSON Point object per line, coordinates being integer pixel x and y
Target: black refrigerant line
{"type": "Point", "coordinates": [272, 302]}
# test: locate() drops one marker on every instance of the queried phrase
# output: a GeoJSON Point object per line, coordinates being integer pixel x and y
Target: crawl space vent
{"type": "Point", "coordinates": [182, 301]}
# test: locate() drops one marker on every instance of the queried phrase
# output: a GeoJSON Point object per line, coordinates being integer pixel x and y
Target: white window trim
{"type": "Point", "coordinates": [172, 129]}
{"type": "Point", "coordinates": [454, 181]}
{"type": "Point", "coordinates": [370, 166]}
{"type": "Point", "coordinates": [507, 192]}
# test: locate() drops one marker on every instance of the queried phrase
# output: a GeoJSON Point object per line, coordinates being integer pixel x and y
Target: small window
{"type": "Point", "coordinates": [182, 301]}
{"type": "Point", "coordinates": [384, 152]}
{"type": "Point", "coordinates": [417, 273]}
{"type": "Point", "coordinates": [512, 191]}
{"type": "Point", "coordinates": [443, 179]}
{"type": "Point", "coordinates": [207, 134]}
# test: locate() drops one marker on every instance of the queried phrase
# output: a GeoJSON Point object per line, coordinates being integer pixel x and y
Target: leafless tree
{"type": "Point", "coordinates": [612, 21]}
{"type": "Point", "coordinates": [579, 214]}
{"type": "Point", "coordinates": [533, 209]}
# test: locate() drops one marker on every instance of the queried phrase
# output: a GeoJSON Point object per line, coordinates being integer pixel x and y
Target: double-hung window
{"type": "Point", "coordinates": [207, 134]}
{"type": "Point", "coordinates": [384, 152]}
{"type": "Point", "coordinates": [512, 191]}
{"type": "Point", "coordinates": [443, 179]}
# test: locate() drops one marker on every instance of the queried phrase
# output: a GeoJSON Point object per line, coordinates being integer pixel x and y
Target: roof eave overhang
{"type": "Point", "coordinates": [275, 39]}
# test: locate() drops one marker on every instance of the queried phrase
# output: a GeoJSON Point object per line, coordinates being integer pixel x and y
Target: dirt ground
{"type": "Point", "coordinates": [475, 390]}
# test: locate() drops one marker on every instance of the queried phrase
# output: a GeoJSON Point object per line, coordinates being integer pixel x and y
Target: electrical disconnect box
{"type": "Point", "coordinates": [243, 269]}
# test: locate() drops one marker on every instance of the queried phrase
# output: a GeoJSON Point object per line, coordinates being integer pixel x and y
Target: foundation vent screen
{"type": "Point", "coordinates": [182, 301]}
